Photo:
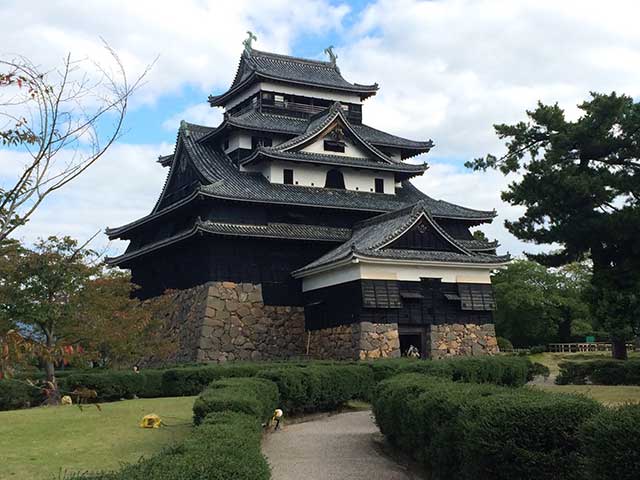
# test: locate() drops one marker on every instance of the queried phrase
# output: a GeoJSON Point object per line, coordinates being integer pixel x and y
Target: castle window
{"type": "Point", "coordinates": [333, 146]}
{"type": "Point", "coordinates": [288, 176]}
{"type": "Point", "coordinates": [261, 142]}
{"type": "Point", "coordinates": [379, 185]}
{"type": "Point", "coordinates": [335, 179]}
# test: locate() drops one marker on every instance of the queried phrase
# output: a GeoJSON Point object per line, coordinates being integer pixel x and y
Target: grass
{"type": "Point", "coordinates": [551, 360]}
{"type": "Point", "coordinates": [608, 395]}
{"type": "Point", "coordinates": [39, 443]}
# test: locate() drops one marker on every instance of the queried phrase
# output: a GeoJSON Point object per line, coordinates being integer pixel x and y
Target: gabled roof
{"type": "Point", "coordinates": [255, 65]}
{"type": "Point", "coordinates": [274, 123]}
{"type": "Point", "coordinates": [319, 125]}
{"type": "Point", "coordinates": [370, 238]}
{"type": "Point", "coordinates": [282, 231]}
{"type": "Point", "coordinates": [345, 161]}
{"type": "Point", "coordinates": [223, 180]}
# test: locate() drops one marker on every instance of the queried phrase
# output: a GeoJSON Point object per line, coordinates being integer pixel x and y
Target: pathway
{"type": "Point", "coordinates": [337, 447]}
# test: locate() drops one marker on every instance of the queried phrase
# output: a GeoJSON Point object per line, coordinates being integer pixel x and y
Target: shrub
{"type": "Point", "coordinates": [478, 431]}
{"type": "Point", "coordinates": [185, 381]}
{"type": "Point", "coordinates": [610, 444]}
{"type": "Point", "coordinates": [601, 372]}
{"type": "Point", "coordinates": [16, 394]}
{"type": "Point", "coordinates": [253, 396]}
{"type": "Point", "coordinates": [504, 344]}
{"type": "Point", "coordinates": [525, 434]}
{"type": "Point", "coordinates": [319, 386]}
{"type": "Point", "coordinates": [535, 350]}
{"type": "Point", "coordinates": [112, 385]}
{"type": "Point", "coordinates": [226, 446]}
{"type": "Point", "coordinates": [421, 415]}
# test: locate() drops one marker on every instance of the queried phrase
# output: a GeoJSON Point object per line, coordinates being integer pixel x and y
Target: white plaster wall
{"type": "Point", "coordinates": [238, 140]}
{"type": "Point", "coordinates": [412, 273]}
{"type": "Point", "coordinates": [292, 90]}
{"type": "Point", "coordinates": [364, 180]}
{"type": "Point", "coordinates": [350, 149]}
{"type": "Point", "coordinates": [309, 175]}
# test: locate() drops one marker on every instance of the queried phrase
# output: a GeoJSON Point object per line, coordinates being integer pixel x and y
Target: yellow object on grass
{"type": "Point", "coordinates": [66, 400]}
{"type": "Point", "coordinates": [151, 421]}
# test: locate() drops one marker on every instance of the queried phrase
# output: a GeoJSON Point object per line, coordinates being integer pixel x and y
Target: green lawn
{"type": "Point", "coordinates": [608, 395]}
{"type": "Point", "coordinates": [38, 443]}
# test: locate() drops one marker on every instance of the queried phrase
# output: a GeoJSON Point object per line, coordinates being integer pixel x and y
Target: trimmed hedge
{"type": "Point", "coordinates": [610, 444]}
{"type": "Point", "coordinates": [16, 394]}
{"type": "Point", "coordinates": [526, 435]}
{"type": "Point", "coordinates": [316, 387]}
{"type": "Point", "coordinates": [422, 416]}
{"type": "Point", "coordinates": [600, 372]}
{"type": "Point", "coordinates": [483, 431]}
{"type": "Point", "coordinates": [512, 371]}
{"type": "Point", "coordinates": [254, 396]}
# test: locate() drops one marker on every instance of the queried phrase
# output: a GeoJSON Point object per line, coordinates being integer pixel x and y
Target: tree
{"type": "Point", "coordinates": [538, 305]}
{"type": "Point", "coordinates": [579, 186]}
{"type": "Point", "coordinates": [62, 120]}
{"type": "Point", "coordinates": [58, 297]}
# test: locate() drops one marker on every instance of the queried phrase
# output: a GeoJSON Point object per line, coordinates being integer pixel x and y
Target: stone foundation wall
{"type": "Point", "coordinates": [222, 321]}
{"type": "Point", "coordinates": [469, 339]}
{"type": "Point", "coordinates": [359, 341]}
{"type": "Point", "coordinates": [376, 340]}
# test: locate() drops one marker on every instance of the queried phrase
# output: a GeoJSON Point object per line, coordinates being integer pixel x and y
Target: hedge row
{"type": "Point", "coordinates": [183, 381]}
{"type": "Point", "coordinates": [472, 431]}
{"type": "Point", "coordinates": [317, 387]}
{"type": "Point", "coordinates": [600, 372]}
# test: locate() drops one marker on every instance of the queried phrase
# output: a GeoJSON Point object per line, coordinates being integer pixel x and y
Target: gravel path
{"type": "Point", "coordinates": [343, 446]}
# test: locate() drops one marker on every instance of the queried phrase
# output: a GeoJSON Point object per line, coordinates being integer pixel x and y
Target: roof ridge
{"type": "Point", "coordinates": [281, 56]}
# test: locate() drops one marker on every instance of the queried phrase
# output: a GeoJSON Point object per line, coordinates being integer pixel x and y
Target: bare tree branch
{"type": "Point", "coordinates": [64, 120]}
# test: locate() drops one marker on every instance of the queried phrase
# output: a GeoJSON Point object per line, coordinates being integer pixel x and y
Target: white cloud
{"type": "Point", "coordinates": [199, 41]}
{"type": "Point", "coordinates": [118, 189]}
{"type": "Point", "coordinates": [447, 71]}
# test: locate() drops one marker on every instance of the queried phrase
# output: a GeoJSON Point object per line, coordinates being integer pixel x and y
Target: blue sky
{"type": "Point", "coordinates": [448, 70]}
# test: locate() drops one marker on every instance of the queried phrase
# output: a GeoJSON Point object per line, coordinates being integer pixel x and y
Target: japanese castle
{"type": "Point", "coordinates": [292, 229]}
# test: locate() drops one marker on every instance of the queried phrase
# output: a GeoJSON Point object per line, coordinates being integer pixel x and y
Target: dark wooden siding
{"type": "Point", "coordinates": [422, 236]}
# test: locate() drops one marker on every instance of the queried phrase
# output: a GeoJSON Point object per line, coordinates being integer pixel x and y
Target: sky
{"type": "Point", "coordinates": [447, 70]}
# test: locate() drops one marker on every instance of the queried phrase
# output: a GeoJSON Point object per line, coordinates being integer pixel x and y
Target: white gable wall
{"type": "Point", "coordinates": [350, 150]}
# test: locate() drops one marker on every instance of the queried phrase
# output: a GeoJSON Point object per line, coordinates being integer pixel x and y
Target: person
{"type": "Point", "coordinates": [413, 352]}
{"type": "Point", "coordinates": [136, 369]}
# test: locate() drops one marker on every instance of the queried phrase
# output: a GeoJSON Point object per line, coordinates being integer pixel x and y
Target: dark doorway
{"type": "Point", "coordinates": [417, 337]}
{"type": "Point", "coordinates": [335, 179]}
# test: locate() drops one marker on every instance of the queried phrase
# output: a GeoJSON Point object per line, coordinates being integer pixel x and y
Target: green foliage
{"type": "Point", "coordinates": [600, 372]}
{"type": "Point", "coordinates": [579, 187]}
{"type": "Point", "coordinates": [504, 344]}
{"type": "Point", "coordinates": [226, 446]}
{"type": "Point", "coordinates": [114, 385]}
{"type": "Point", "coordinates": [537, 305]}
{"type": "Point", "coordinates": [16, 394]}
{"type": "Point", "coordinates": [319, 387]}
{"type": "Point", "coordinates": [610, 444]}
{"type": "Point", "coordinates": [192, 380]}
{"type": "Point", "coordinates": [421, 415]}
{"type": "Point", "coordinates": [470, 431]}
{"type": "Point", "coordinates": [257, 397]}
{"type": "Point", "coordinates": [526, 435]}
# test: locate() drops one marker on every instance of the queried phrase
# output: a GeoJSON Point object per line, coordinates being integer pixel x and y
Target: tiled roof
{"type": "Point", "coordinates": [291, 70]}
{"type": "Point", "coordinates": [341, 160]}
{"type": "Point", "coordinates": [269, 122]}
{"type": "Point", "coordinates": [371, 236]}
{"type": "Point", "coordinates": [285, 231]}
{"type": "Point", "coordinates": [478, 245]}
{"type": "Point", "coordinates": [224, 180]}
